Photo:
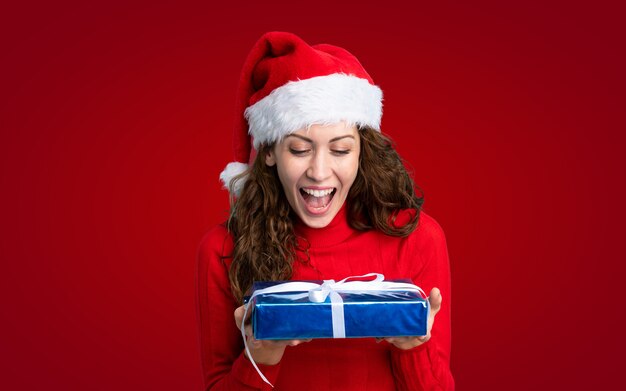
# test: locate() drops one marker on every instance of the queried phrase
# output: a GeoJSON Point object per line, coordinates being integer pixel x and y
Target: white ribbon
{"type": "Point", "coordinates": [319, 292]}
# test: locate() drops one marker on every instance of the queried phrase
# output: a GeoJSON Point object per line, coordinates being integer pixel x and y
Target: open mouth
{"type": "Point", "coordinates": [316, 199]}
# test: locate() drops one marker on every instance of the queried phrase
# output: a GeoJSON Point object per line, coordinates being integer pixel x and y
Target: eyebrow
{"type": "Point", "coordinates": [308, 140]}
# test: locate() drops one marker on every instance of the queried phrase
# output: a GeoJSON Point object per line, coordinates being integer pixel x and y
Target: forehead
{"type": "Point", "coordinates": [325, 133]}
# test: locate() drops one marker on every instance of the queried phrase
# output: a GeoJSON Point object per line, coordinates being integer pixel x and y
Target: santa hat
{"type": "Point", "coordinates": [287, 85]}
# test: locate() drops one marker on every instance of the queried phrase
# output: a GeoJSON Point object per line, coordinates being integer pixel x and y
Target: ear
{"type": "Point", "coordinates": [270, 158]}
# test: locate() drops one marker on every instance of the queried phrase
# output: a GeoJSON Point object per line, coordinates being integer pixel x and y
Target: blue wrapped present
{"type": "Point", "coordinates": [344, 309]}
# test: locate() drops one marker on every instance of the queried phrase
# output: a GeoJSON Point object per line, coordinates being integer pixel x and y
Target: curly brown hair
{"type": "Point", "coordinates": [261, 219]}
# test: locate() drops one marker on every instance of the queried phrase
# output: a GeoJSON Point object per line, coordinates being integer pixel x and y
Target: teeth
{"type": "Point", "coordinates": [318, 193]}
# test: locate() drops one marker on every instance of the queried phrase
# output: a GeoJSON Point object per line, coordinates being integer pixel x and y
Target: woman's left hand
{"type": "Point", "coordinates": [405, 343]}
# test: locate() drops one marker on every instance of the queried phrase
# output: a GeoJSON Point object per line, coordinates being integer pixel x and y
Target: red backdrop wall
{"type": "Point", "coordinates": [116, 122]}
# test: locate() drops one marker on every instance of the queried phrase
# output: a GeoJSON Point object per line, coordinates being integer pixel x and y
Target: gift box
{"type": "Point", "coordinates": [344, 309]}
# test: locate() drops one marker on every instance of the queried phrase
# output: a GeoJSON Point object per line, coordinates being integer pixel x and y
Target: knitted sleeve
{"type": "Point", "coordinates": [224, 365]}
{"type": "Point", "coordinates": [427, 367]}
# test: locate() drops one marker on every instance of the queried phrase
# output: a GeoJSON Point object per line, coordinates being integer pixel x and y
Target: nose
{"type": "Point", "coordinates": [319, 167]}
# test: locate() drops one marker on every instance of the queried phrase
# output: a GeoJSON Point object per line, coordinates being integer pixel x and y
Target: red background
{"type": "Point", "coordinates": [116, 121]}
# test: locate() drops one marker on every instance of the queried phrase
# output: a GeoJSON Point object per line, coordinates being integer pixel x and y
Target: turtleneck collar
{"type": "Point", "coordinates": [336, 232]}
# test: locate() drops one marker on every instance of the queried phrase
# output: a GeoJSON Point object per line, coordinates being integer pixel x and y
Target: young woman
{"type": "Point", "coordinates": [325, 196]}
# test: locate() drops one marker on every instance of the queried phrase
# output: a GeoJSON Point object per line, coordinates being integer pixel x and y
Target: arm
{"type": "Point", "coordinates": [427, 366]}
{"type": "Point", "coordinates": [224, 365]}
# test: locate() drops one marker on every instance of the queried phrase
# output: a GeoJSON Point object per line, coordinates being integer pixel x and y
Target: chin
{"type": "Point", "coordinates": [317, 222]}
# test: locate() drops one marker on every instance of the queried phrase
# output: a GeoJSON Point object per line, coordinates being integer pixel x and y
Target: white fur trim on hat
{"type": "Point", "coordinates": [232, 170]}
{"type": "Point", "coordinates": [318, 100]}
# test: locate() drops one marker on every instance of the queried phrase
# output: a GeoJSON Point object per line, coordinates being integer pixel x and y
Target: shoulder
{"type": "Point", "coordinates": [428, 244]}
{"type": "Point", "coordinates": [213, 263]}
{"type": "Point", "coordinates": [428, 231]}
{"type": "Point", "coordinates": [217, 243]}
{"type": "Point", "coordinates": [423, 249]}
{"type": "Point", "coordinates": [428, 227]}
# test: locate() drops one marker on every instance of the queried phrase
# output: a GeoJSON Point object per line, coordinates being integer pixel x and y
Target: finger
{"type": "Point", "coordinates": [248, 330]}
{"type": "Point", "coordinates": [275, 344]}
{"type": "Point", "coordinates": [239, 316]}
{"type": "Point", "coordinates": [296, 342]}
{"type": "Point", "coordinates": [435, 300]}
{"type": "Point", "coordinates": [253, 343]}
{"type": "Point", "coordinates": [406, 342]}
{"type": "Point", "coordinates": [398, 339]}
{"type": "Point", "coordinates": [271, 343]}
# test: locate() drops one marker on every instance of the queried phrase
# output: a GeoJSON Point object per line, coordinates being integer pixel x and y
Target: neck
{"type": "Point", "coordinates": [335, 232]}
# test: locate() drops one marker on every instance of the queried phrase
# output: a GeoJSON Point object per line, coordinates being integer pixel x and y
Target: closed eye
{"type": "Point", "coordinates": [298, 152]}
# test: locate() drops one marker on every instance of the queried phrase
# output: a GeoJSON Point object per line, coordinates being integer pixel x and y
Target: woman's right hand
{"type": "Point", "coordinates": [263, 351]}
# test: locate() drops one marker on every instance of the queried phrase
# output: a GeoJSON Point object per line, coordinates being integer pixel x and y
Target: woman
{"type": "Point", "coordinates": [325, 197]}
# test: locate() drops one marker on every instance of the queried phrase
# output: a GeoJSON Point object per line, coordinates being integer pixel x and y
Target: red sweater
{"type": "Point", "coordinates": [336, 251]}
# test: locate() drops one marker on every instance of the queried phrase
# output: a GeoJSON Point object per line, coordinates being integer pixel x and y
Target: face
{"type": "Point", "coordinates": [317, 167]}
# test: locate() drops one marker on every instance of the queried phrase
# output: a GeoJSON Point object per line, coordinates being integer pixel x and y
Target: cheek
{"type": "Point", "coordinates": [351, 171]}
{"type": "Point", "coordinates": [288, 175]}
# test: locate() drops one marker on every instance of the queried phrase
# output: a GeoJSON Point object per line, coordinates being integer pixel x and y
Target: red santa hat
{"type": "Point", "coordinates": [287, 85]}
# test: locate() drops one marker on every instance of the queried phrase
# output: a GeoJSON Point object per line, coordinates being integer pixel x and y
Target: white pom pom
{"type": "Point", "coordinates": [232, 170]}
